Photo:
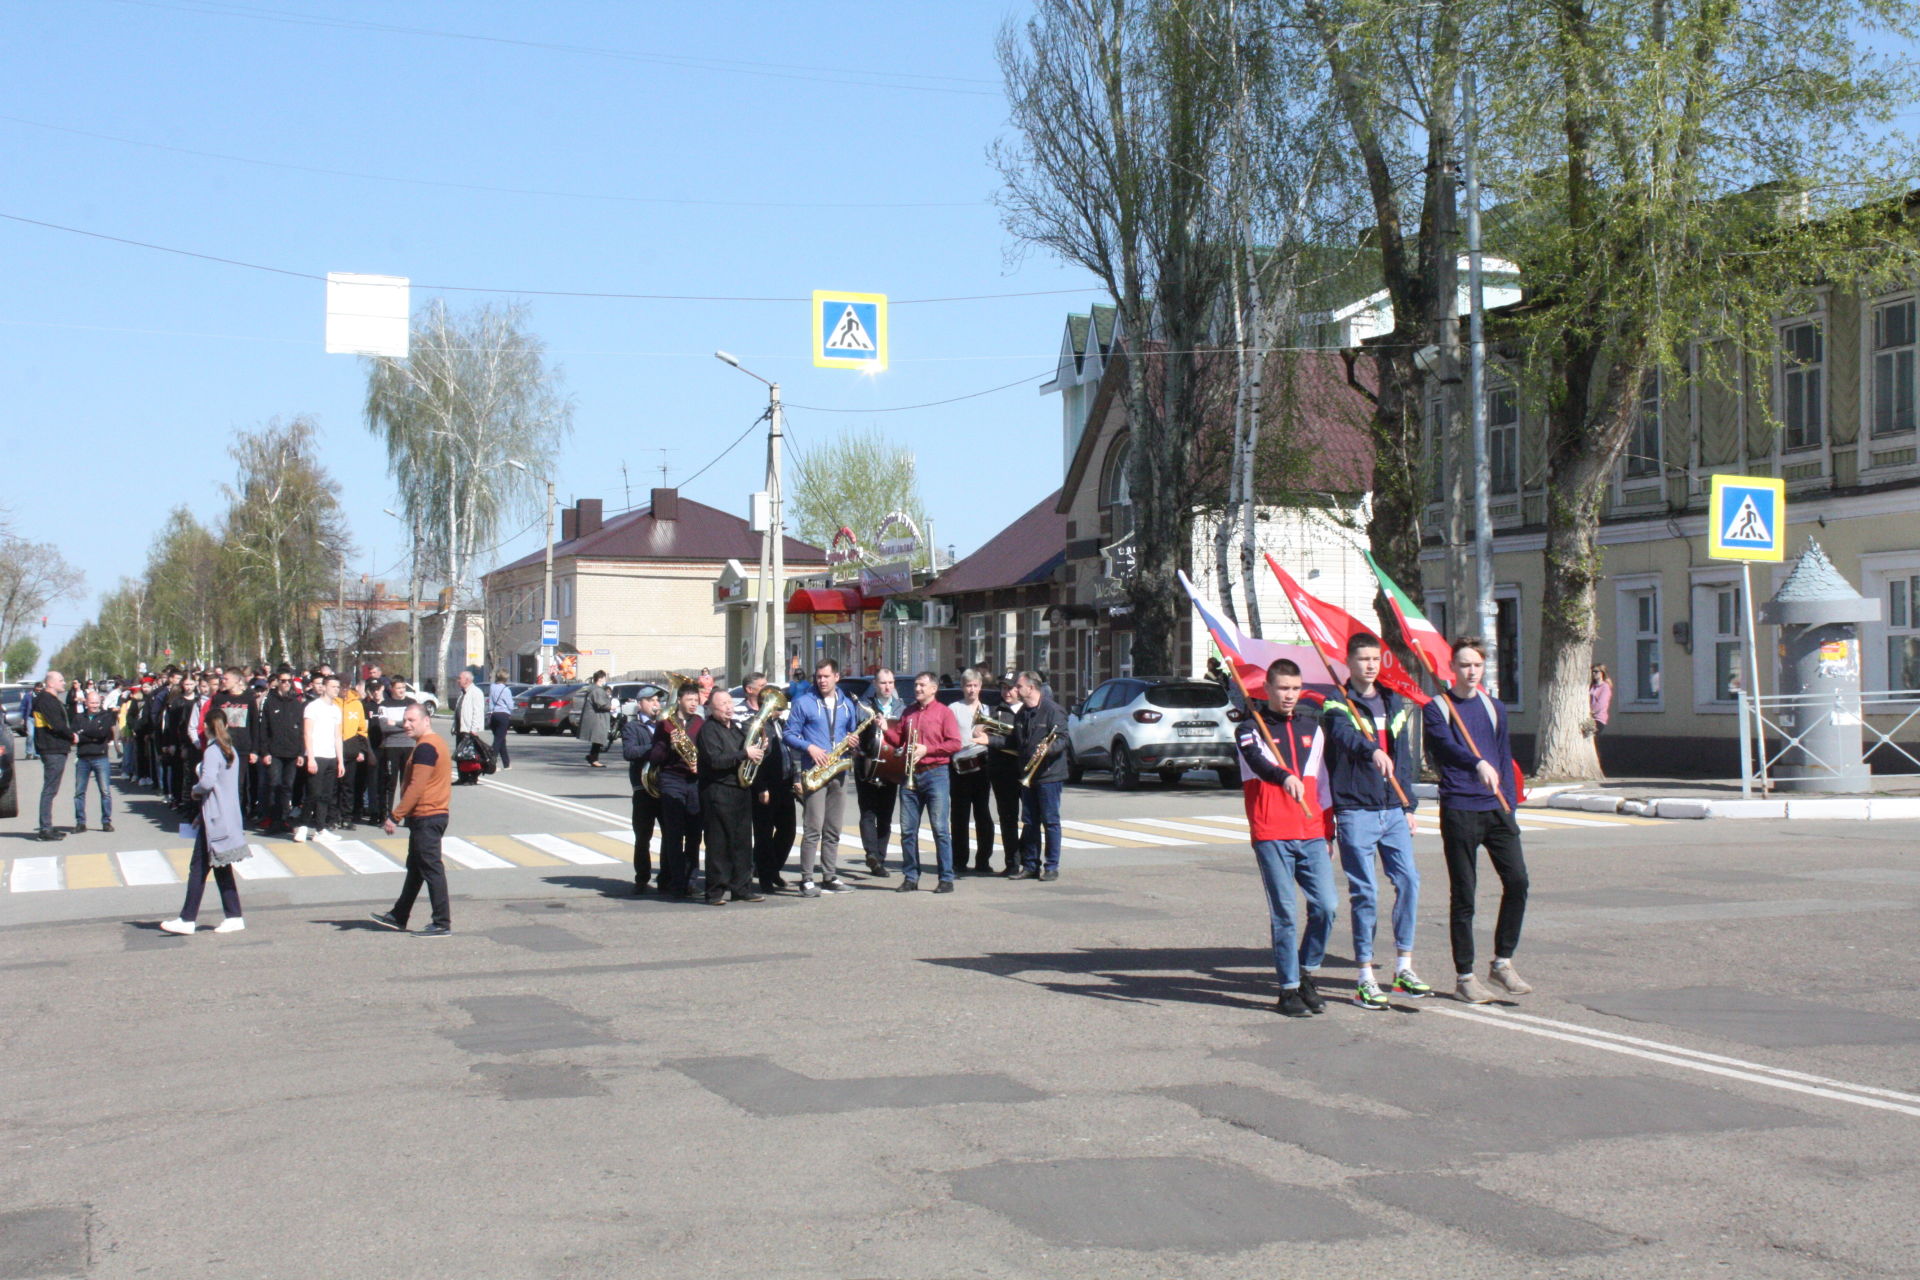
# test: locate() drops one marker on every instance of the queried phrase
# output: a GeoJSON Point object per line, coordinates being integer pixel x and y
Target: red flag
{"type": "Point", "coordinates": [1329, 628]}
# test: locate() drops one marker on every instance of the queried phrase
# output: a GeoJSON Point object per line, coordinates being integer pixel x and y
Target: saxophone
{"type": "Point", "coordinates": [1038, 758]}
{"type": "Point", "coordinates": [772, 703]}
{"type": "Point", "coordinates": [838, 761]}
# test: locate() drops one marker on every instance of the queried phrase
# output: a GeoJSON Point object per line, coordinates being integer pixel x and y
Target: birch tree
{"type": "Point", "coordinates": [285, 538]}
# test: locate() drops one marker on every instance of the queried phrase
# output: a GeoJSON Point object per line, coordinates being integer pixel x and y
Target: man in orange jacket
{"type": "Point", "coordinates": [426, 784]}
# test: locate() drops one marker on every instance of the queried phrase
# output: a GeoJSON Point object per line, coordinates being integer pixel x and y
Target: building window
{"type": "Point", "coordinates": [1117, 492]}
{"type": "Point", "coordinates": [1893, 368]}
{"type": "Point", "coordinates": [1727, 612]}
{"type": "Point", "coordinates": [1903, 632]}
{"type": "Point", "coordinates": [564, 593]}
{"type": "Point", "coordinates": [1638, 680]}
{"type": "Point", "coordinates": [1506, 643]}
{"type": "Point", "coordinates": [1643, 446]}
{"type": "Point", "coordinates": [1042, 641]}
{"type": "Point", "coordinates": [977, 640]}
{"type": "Point", "coordinates": [1009, 640]}
{"type": "Point", "coordinates": [1503, 439]}
{"type": "Point", "coordinates": [1803, 360]}
{"type": "Point", "coordinates": [1089, 660]}
{"type": "Point", "coordinates": [1122, 653]}
{"type": "Point", "coordinates": [1437, 614]}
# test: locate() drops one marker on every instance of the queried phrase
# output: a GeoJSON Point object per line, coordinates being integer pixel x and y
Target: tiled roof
{"type": "Point", "coordinates": [1025, 551]}
{"type": "Point", "coordinates": [701, 533]}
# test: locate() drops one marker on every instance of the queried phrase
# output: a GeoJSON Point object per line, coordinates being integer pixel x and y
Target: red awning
{"type": "Point", "coordinates": [829, 600]}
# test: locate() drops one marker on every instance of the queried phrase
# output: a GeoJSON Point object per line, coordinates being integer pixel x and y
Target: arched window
{"type": "Point", "coordinates": [1116, 489]}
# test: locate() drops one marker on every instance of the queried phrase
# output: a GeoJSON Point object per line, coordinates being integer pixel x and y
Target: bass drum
{"type": "Point", "coordinates": [890, 765]}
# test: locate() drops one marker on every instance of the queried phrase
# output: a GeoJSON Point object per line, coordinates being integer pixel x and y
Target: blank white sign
{"type": "Point", "coordinates": [367, 315]}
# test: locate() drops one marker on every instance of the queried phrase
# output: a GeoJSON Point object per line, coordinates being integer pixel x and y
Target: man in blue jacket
{"type": "Point", "coordinates": [1370, 765]}
{"type": "Point", "coordinates": [819, 719]}
{"type": "Point", "coordinates": [1467, 736]}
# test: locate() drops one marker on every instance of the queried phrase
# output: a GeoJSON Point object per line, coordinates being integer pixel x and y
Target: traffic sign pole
{"type": "Point", "coordinates": [1747, 521]}
{"type": "Point", "coordinates": [1753, 667]}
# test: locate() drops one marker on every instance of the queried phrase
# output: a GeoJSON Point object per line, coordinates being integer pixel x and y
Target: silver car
{"type": "Point", "coordinates": [1135, 725]}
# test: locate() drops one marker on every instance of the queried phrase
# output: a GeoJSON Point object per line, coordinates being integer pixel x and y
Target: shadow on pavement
{"type": "Point", "coordinates": [607, 886]}
{"type": "Point", "coordinates": [1239, 978]}
{"type": "Point", "coordinates": [358, 924]}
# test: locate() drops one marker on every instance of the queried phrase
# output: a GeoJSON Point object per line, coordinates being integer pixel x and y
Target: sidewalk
{"type": "Point", "coordinates": [1720, 798]}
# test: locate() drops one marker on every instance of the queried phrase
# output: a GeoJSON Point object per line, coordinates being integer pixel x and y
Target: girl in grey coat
{"type": "Point", "coordinates": [220, 836]}
{"type": "Point", "coordinates": [596, 718]}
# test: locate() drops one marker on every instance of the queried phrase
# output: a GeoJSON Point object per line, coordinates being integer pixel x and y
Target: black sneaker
{"type": "Point", "coordinates": [106, 826]}
{"type": "Point", "coordinates": [388, 919]}
{"type": "Point", "coordinates": [1310, 995]}
{"type": "Point", "coordinates": [834, 884]}
{"type": "Point", "coordinates": [1049, 875]}
{"type": "Point", "coordinates": [945, 886]}
{"type": "Point", "coordinates": [906, 886]}
{"type": "Point", "coordinates": [433, 931]}
{"type": "Point", "coordinates": [875, 867]}
{"type": "Point", "coordinates": [49, 833]}
{"type": "Point", "coordinates": [1024, 873]}
{"type": "Point", "coordinates": [751, 895]}
{"type": "Point", "coordinates": [1290, 1005]}
{"type": "Point", "coordinates": [78, 827]}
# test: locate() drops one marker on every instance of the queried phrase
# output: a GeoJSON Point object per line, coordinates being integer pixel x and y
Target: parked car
{"type": "Point", "coordinates": [9, 791]}
{"type": "Point", "coordinates": [553, 708]}
{"type": "Point", "coordinates": [10, 700]}
{"type": "Point", "coordinates": [1143, 724]}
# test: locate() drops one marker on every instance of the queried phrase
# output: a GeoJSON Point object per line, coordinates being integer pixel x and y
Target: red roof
{"type": "Point", "coordinates": [701, 533]}
{"type": "Point", "coordinates": [1025, 551]}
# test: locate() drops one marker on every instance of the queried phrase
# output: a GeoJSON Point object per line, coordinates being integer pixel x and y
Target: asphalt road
{"type": "Point", "coordinates": [1716, 1076]}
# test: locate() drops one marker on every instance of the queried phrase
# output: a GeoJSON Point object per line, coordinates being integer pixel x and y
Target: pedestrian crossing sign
{"type": "Point", "coordinates": [1746, 519]}
{"type": "Point", "coordinates": [849, 330]}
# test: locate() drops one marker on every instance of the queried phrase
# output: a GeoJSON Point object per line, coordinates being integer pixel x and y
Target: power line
{"type": "Point", "coordinates": [476, 186]}
{"type": "Point", "coordinates": [541, 293]}
{"type": "Point", "coordinates": [902, 408]}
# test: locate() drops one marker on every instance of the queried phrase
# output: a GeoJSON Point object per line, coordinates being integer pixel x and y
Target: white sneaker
{"type": "Point", "coordinates": [326, 835]}
{"type": "Point", "coordinates": [301, 835]}
{"type": "Point", "coordinates": [232, 924]}
{"type": "Point", "coordinates": [1503, 976]}
{"type": "Point", "coordinates": [178, 926]}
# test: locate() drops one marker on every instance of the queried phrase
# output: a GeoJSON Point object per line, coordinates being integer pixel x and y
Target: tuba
{"type": "Point", "coordinates": [772, 703]}
{"type": "Point", "coordinates": [668, 724]}
{"type": "Point", "coordinates": [838, 761]}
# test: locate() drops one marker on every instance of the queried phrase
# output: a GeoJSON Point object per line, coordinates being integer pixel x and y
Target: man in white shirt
{"type": "Point", "coordinates": [469, 717]}
{"type": "Point", "coordinates": [325, 755]}
{"type": "Point", "coordinates": [972, 790]}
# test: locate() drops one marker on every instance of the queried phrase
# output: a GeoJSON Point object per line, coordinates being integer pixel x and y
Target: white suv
{"type": "Point", "coordinates": [1167, 725]}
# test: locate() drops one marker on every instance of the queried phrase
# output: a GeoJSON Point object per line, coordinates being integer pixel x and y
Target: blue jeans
{"type": "Point", "coordinates": [1360, 832]}
{"type": "Point", "coordinates": [98, 769]}
{"type": "Point", "coordinates": [930, 791]}
{"type": "Point", "coordinates": [1283, 863]}
{"type": "Point", "coordinates": [1040, 811]}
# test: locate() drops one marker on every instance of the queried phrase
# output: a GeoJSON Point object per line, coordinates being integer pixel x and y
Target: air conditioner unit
{"type": "Point", "coordinates": [939, 613]}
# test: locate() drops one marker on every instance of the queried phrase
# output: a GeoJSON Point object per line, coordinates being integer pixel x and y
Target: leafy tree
{"type": "Point", "coordinates": [33, 575]}
{"type": "Point", "coordinates": [856, 480]}
{"type": "Point", "coordinates": [20, 656]}
{"type": "Point", "coordinates": [285, 538]}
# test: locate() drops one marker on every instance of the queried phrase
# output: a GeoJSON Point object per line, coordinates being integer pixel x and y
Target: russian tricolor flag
{"type": "Point", "coordinates": [1251, 657]}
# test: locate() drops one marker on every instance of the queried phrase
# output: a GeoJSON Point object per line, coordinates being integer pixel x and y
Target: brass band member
{"type": "Point", "coordinates": [679, 793]}
{"type": "Point", "coordinates": [877, 796]}
{"type": "Point", "coordinates": [821, 719]}
{"type": "Point", "coordinates": [927, 731]}
{"type": "Point", "coordinates": [972, 791]}
{"type": "Point", "coordinates": [636, 744]}
{"type": "Point", "coordinates": [1040, 731]}
{"type": "Point", "coordinates": [773, 799]}
{"type": "Point", "coordinates": [726, 809]}
{"type": "Point", "coordinates": [1003, 776]}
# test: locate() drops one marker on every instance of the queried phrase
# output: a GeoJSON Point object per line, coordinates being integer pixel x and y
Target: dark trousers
{"type": "Point", "coordinates": [351, 796]}
{"type": "Point", "coordinates": [281, 771]}
{"type": "Point", "coordinates": [259, 777]}
{"type": "Point", "coordinates": [1004, 781]}
{"type": "Point", "coordinates": [1040, 815]}
{"type": "Point", "coordinates": [424, 867]}
{"type": "Point", "coordinates": [392, 761]}
{"type": "Point", "coordinates": [180, 781]}
{"type": "Point", "coordinates": [197, 882]}
{"type": "Point", "coordinates": [877, 800]}
{"type": "Point", "coordinates": [646, 811]}
{"type": "Point", "coordinates": [773, 830]}
{"type": "Point", "coordinates": [500, 722]}
{"type": "Point", "coordinates": [1462, 833]}
{"type": "Point", "coordinates": [321, 784]}
{"type": "Point", "coordinates": [972, 808]}
{"type": "Point", "coordinates": [679, 832]}
{"type": "Point", "coordinates": [53, 767]}
{"type": "Point", "coordinates": [726, 816]}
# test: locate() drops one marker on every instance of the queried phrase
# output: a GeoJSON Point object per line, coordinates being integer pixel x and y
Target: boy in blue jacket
{"type": "Point", "coordinates": [1371, 767]}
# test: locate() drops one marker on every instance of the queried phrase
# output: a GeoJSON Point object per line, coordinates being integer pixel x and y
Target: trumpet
{"type": "Point", "coordinates": [994, 728]}
{"type": "Point", "coordinates": [772, 703]}
{"type": "Point", "coordinates": [1038, 758]}
{"type": "Point", "coordinates": [838, 761]}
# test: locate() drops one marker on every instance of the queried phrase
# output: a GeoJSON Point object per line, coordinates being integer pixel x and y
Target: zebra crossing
{"type": "Point", "coordinates": [386, 855]}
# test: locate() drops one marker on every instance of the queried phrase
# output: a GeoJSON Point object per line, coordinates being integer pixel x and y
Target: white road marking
{"type": "Point", "coordinates": [470, 855]}
{"type": "Point", "coordinates": [360, 856]}
{"type": "Point", "coordinates": [1191, 828]}
{"type": "Point", "coordinates": [1568, 820]}
{"type": "Point", "coordinates": [1120, 833]}
{"type": "Point", "coordinates": [1232, 819]}
{"type": "Point", "coordinates": [653, 846]}
{"type": "Point", "coordinates": [146, 866]}
{"type": "Point", "coordinates": [36, 875]}
{"type": "Point", "coordinates": [1692, 1059]}
{"type": "Point", "coordinates": [566, 850]}
{"type": "Point", "coordinates": [603, 815]}
{"type": "Point", "coordinates": [261, 866]}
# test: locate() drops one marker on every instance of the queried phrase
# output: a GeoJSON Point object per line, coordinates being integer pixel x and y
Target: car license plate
{"type": "Point", "coordinates": [1195, 731]}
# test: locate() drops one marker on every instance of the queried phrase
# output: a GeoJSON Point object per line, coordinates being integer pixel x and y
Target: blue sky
{"type": "Point", "coordinates": [128, 370]}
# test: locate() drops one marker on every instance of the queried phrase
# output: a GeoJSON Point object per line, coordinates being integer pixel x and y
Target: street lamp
{"type": "Point", "coordinates": [546, 595]}
{"type": "Point", "coordinates": [773, 561]}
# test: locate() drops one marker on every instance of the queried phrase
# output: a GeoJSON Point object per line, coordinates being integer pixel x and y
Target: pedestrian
{"type": "Point", "coordinates": [596, 718]}
{"type": "Point", "coordinates": [877, 797]}
{"type": "Point", "coordinates": [93, 731]}
{"type": "Point", "coordinates": [220, 831]}
{"type": "Point", "coordinates": [1371, 775]}
{"type": "Point", "coordinates": [1467, 736]}
{"type": "Point", "coordinates": [820, 723]}
{"type": "Point", "coordinates": [1284, 782]}
{"type": "Point", "coordinates": [500, 717]}
{"type": "Point", "coordinates": [356, 758]}
{"type": "Point", "coordinates": [726, 807]}
{"type": "Point", "coordinates": [636, 742]}
{"type": "Point", "coordinates": [1003, 776]}
{"type": "Point", "coordinates": [927, 733]}
{"type": "Point", "coordinates": [324, 750]}
{"type": "Point", "coordinates": [426, 785]}
{"type": "Point", "coordinates": [469, 720]}
{"type": "Point", "coordinates": [972, 789]}
{"type": "Point", "coordinates": [390, 739]}
{"type": "Point", "coordinates": [26, 715]}
{"type": "Point", "coordinates": [53, 739]}
{"type": "Point", "coordinates": [1039, 744]}
{"type": "Point", "coordinates": [1599, 698]}
{"type": "Point", "coordinates": [235, 700]}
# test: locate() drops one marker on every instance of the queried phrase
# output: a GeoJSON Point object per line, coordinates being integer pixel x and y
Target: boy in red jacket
{"type": "Point", "coordinates": [1283, 776]}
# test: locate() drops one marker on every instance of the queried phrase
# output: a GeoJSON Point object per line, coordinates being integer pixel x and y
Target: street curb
{"type": "Point", "coordinates": [1810, 808]}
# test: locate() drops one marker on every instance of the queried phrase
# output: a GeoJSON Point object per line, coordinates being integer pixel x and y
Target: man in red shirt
{"type": "Point", "coordinates": [1283, 776]}
{"type": "Point", "coordinates": [936, 737]}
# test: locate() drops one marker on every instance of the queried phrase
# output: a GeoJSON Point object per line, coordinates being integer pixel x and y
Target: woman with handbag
{"type": "Point", "coordinates": [220, 833]}
{"type": "Point", "coordinates": [596, 718]}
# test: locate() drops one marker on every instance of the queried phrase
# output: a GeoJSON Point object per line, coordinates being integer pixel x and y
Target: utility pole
{"type": "Point", "coordinates": [777, 534]}
{"type": "Point", "coordinates": [340, 620]}
{"type": "Point", "coordinates": [547, 585]}
{"type": "Point", "coordinates": [413, 610]}
{"type": "Point", "coordinates": [1477, 392]}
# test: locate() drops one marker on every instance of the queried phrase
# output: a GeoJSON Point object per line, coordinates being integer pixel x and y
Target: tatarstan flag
{"type": "Point", "coordinates": [1329, 627]}
{"type": "Point", "coordinates": [1421, 634]}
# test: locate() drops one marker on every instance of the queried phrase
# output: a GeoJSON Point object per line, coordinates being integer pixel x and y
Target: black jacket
{"type": "Point", "coordinates": [51, 732]}
{"type": "Point", "coordinates": [239, 709]}
{"type": "Point", "coordinates": [1030, 727]}
{"type": "Point", "coordinates": [1353, 737]}
{"type": "Point", "coordinates": [284, 723]}
{"type": "Point", "coordinates": [636, 742]}
{"type": "Point", "coordinates": [94, 730]}
{"type": "Point", "coordinates": [721, 748]}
